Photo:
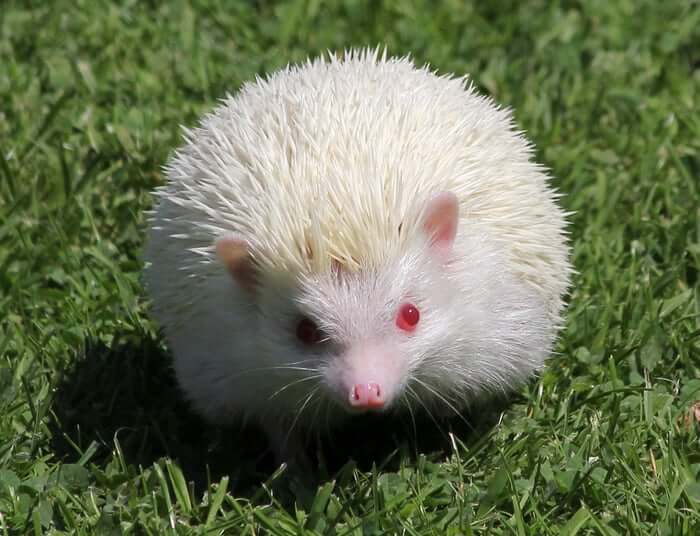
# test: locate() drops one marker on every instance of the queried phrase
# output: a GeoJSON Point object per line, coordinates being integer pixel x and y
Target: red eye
{"type": "Point", "coordinates": [308, 332]}
{"type": "Point", "coordinates": [408, 317]}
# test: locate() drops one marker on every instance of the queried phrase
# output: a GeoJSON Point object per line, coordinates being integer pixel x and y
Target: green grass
{"type": "Point", "coordinates": [94, 438]}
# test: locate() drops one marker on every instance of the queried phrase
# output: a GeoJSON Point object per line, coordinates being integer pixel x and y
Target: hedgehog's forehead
{"type": "Point", "coordinates": [313, 259]}
{"type": "Point", "coordinates": [316, 239]}
{"type": "Point", "coordinates": [308, 262]}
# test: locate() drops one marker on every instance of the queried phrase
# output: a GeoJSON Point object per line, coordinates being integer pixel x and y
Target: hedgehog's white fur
{"type": "Point", "coordinates": [335, 160]}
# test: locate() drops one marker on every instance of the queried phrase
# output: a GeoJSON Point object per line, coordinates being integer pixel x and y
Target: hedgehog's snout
{"type": "Point", "coordinates": [366, 396]}
{"type": "Point", "coordinates": [367, 377]}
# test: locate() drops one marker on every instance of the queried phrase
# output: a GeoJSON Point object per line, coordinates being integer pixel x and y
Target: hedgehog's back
{"type": "Point", "coordinates": [335, 160]}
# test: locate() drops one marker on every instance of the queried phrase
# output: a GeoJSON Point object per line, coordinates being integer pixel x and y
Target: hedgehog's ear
{"type": "Point", "coordinates": [440, 220]}
{"type": "Point", "coordinates": [234, 253]}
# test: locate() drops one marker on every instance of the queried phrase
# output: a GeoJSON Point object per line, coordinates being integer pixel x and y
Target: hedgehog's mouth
{"type": "Point", "coordinates": [355, 410]}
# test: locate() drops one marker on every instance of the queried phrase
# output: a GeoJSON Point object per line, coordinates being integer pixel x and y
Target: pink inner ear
{"type": "Point", "coordinates": [233, 252]}
{"type": "Point", "coordinates": [440, 220]}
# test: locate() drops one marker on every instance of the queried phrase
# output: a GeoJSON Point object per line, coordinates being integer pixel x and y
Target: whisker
{"type": "Point", "coordinates": [328, 416]}
{"type": "Point", "coordinates": [409, 406]}
{"type": "Point", "coordinates": [290, 384]}
{"type": "Point", "coordinates": [291, 365]}
{"type": "Point", "coordinates": [430, 414]}
{"type": "Point", "coordinates": [315, 416]}
{"type": "Point", "coordinates": [296, 419]}
{"type": "Point", "coordinates": [237, 375]}
{"type": "Point", "coordinates": [445, 400]}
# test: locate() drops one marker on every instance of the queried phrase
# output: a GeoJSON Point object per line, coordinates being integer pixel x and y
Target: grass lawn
{"type": "Point", "coordinates": [94, 438]}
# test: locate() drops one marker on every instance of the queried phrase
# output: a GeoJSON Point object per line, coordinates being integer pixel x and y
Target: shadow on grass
{"type": "Point", "coordinates": [127, 391]}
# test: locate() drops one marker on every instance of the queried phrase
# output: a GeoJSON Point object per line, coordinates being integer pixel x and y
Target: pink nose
{"type": "Point", "coordinates": [366, 396]}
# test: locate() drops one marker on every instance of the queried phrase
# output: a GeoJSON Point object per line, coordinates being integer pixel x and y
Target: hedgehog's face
{"type": "Point", "coordinates": [361, 338]}
{"type": "Point", "coordinates": [373, 331]}
{"type": "Point", "coordinates": [429, 327]}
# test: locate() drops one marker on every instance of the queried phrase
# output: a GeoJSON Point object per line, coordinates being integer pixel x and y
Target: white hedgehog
{"type": "Point", "coordinates": [355, 234]}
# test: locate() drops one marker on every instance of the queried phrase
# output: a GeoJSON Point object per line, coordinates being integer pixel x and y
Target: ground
{"type": "Point", "coordinates": [95, 439]}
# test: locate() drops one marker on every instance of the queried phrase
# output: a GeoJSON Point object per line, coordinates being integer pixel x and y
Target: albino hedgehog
{"type": "Point", "coordinates": [355, 234]}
